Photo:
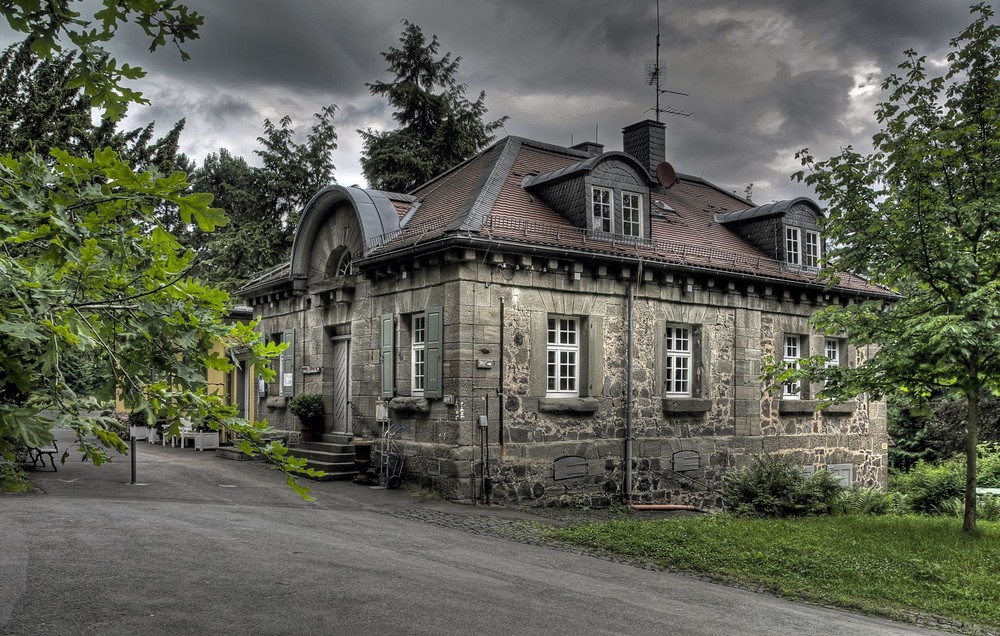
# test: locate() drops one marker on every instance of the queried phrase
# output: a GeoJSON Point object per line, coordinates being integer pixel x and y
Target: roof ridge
{"type": "Point", "coordinates": [488, 189]}
{"type": "Point", "coordinates": [457, 166]}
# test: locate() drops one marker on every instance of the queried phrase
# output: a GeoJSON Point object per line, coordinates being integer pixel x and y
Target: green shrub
{"type": "Point", "coordinates": [13, 479]}
{"type": "Point", "coordinates": [870, 501]}
{"type": "Point", "coordinates": [928, 486]}
{"type": "Point", "coordinates": [987, 508]}
{"type": "Point", "coordinates": [309, 408]}
{"type": "Point", "coordinates": [988, 466]}
{"type": "Point", "coordinates": [774, 487]}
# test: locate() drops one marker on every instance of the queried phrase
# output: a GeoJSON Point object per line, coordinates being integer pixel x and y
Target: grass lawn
{"type": "Point", "coordinates": [890, 566]}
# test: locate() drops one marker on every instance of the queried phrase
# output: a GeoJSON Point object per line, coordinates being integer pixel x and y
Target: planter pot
{"type": "Point", "coordinates": [315, 428]}
{"type": "Point", "coordinates": [363, 461]}
{"type": "Point", "coordinates": [139, 432]}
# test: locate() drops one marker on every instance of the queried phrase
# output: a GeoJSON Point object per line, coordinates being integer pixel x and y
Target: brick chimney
{"type": "Point", "coordinates": [646, 141]}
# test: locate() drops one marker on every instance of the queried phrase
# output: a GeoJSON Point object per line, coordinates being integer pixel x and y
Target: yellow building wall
{"type": "Point", "coordinates": [224, 383]}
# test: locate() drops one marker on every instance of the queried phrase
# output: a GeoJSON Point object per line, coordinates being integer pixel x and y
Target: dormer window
{"type": "Point", "coordinates": [810, 252]}
{"type": "Point", "coordinates": [632, 214]}
{"type": "Point", "coordinates": [792, 245]}
{"type": "Point", "coordinates": [603, 210]}
{"type": "Point", "coordinates": [617, 212]}
{"type": "Point", "coordinates": [802, 247]}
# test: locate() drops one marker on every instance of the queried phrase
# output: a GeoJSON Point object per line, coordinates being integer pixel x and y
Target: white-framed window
{"type": "Point", "coordinates": [418, 354]}
{"type": "Point", "coordinates": [791, 353]}
{"type": "Point", "coordinates": [811, 249]}
{"type": "Point", "coordinates": [631, 214]}
{"type": "Point", "coordinates": [831, 351]}
{"type": "Point", "coordinates": [677, 347]}
{"type": "Point", "coordinates": [792, 245]}
{"type": "Point", "coordinates": [563, 355]}
{"type": "Point", "coordinates": [601, 200]}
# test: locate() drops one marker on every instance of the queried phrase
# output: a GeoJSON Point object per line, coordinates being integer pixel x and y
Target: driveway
{"type": "Point", "coordinates": [208, 545]}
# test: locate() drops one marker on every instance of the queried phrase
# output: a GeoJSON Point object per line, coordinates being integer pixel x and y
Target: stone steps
{"type": "Point", "coordinates": [334, 458]}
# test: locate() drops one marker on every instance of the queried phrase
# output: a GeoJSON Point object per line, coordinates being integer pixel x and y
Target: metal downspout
{"type": "Point", "coordinates": [500, 399]}
{"type": "Point", "coordinates": [627, 490]}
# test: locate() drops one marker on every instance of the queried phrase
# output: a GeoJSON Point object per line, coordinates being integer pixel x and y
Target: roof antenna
{"type": "Point", "coordinates": [654, 74]}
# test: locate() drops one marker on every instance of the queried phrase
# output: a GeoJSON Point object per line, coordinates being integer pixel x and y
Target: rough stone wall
{"type": "Point", "coordinates": [741, 420]}
{"type": "Point", "coordinates": [728, 420]}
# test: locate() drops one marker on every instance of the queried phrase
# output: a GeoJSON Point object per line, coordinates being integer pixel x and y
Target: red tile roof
{"type": "Point", "coordinates": [485, 196]}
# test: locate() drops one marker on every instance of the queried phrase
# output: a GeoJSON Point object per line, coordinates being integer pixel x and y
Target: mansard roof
{"type": "Point", "coordinates": [775, 208]}
{"type": "Point", "coordinates": [492, 199]}
{"type": "Point", "coordinates": [581, 167]}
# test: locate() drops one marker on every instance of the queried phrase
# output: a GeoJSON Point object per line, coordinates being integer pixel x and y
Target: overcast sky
{"type": "Point", "coordinates": [763, 77]}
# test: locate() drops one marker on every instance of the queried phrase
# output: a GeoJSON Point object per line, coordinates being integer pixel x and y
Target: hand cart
{"type": "Point", "coordinates": [391, 460]}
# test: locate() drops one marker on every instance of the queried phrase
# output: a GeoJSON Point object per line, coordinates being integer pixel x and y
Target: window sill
{"type": "Point", "coordinates": [410, 404]}
{"type": "Point", "coordinates": [811, 406]}
{"type": "Point", "coordinates": [686, 405]}
{"type": "Point", "coordinates": [580, 405]}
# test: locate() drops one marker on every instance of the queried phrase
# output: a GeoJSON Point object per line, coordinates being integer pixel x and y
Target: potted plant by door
{"type": "Point", "coordinates": [309, 408]}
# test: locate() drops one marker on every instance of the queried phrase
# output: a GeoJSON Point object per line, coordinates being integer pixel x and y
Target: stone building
{"type": "Point", "coordinates": [547, 322]}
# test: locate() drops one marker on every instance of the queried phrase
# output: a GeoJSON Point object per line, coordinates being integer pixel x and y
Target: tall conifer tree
{"type": "Point", "coordinates": [438, 126]}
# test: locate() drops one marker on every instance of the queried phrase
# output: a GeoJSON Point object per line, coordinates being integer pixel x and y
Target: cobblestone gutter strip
{"type": "Point", "coordinates": [535, 533]}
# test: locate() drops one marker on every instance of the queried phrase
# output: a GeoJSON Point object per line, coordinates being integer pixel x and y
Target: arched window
{"type": "Point", "coordinates": [344, 267]}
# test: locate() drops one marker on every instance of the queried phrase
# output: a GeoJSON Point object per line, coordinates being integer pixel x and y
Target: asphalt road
{"type": "Point", "coordinates": [215, 546]}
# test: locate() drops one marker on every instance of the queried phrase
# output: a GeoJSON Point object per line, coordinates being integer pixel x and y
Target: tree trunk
{"type": "Point", "coordinates": [971, 455]}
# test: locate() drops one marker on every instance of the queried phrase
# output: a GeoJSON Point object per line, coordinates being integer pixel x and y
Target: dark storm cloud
{"type": "Point", "coordinates": [764, 77]}
{"type": "Point", "coordinates": [882, 28]}
{"type": "Point", "coordinates": [301, 45]}
{"type": "Point", "coordinates": [810, 102]}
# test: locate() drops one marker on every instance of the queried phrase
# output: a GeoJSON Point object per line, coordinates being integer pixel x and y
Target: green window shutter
{"type": "Point", "coordinates": [288, 364]}
{"type": "Point", "coordinates": [435, 330]}
{"type": "Point", "coordinates": [387, 356]}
